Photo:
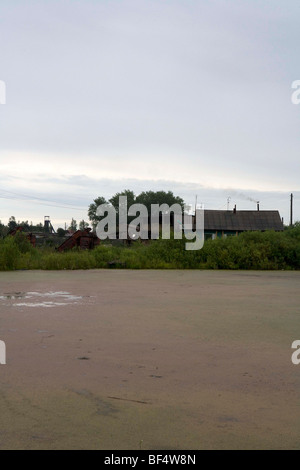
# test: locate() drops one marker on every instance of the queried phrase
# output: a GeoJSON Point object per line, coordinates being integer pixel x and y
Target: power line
{"type": "Point", "coordinates": [36, 200]}
{"type": "Point", "coordinates": [30, 197]}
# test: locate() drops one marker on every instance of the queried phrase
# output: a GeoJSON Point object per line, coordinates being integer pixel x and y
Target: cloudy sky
{"type": "Point", "coordinates": [192, 96]}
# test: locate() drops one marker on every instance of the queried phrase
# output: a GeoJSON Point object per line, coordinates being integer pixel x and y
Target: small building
{"type": "Point", "coordinates": [220, 223]}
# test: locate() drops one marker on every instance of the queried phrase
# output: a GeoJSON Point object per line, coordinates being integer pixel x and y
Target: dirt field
{"type": "Point", "coordinates": [117, 359]}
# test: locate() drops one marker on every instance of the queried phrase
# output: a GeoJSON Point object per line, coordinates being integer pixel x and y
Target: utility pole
{"type": "Point", "coordinates": [291, 210]}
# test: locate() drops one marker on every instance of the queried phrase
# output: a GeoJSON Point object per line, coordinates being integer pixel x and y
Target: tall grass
{"type": "Point", "coordinates": [250, 250]}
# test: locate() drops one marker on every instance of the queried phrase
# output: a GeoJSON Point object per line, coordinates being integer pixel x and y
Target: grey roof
{"type": "Point", "coordinates": [242, 220]}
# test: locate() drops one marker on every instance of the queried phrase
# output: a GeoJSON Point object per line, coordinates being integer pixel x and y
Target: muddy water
{"type": "Point", "coordinates": [109, 359]}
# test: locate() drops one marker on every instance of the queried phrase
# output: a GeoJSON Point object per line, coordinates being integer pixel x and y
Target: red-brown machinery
{"type": "Point", "coordinates": [84, 239]}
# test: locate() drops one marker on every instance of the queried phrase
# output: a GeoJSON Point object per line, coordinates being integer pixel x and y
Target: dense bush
{"type": "Point", "coordinates": [250, 250]}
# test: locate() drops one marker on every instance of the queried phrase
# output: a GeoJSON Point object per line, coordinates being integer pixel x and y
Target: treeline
{"type": "Point", "coordinates": [250, 250]}
{"type": "Point", "coordinates": [13, 223]}
{"type": "Point", "coordinates": [39, 228]}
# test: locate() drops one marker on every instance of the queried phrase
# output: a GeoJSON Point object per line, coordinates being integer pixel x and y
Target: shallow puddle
{"type": "Point", "coordinates": [40, 299]}
{"type": "Point", "coordinates": [13, 295]}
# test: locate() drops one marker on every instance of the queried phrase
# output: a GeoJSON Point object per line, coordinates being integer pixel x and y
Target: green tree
{"type": "Point", "coordinates": [61, 232]}
{"type": "Point", "coordinates": [93, 209]}
{"type": "Point", "coordinates": [131, 199]}
{"type": "Point", "coordinates": [83, 225]}
{"type": "Point", "coordinates": [116, 202]}
{"type": "Point", "coordinates": [12, 223]}
{"type": "Point", "coordinates": [3, 229]}
{"type": "Point", "coordinates": [73, 225]}
{"type": "Point", "coordinates": [35, 228]}
{"type": "Point", "coordinates": [146, 198]}
{"type": "Point", "coordinates": [159, 197]}
{"type": "Point", "coordinates": [25, 225]}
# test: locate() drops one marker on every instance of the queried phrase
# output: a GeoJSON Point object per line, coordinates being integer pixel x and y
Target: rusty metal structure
{"type": "Point", "coordinates": [84, 239]}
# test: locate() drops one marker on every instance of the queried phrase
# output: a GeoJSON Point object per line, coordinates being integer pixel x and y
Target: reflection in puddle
{"type": "Point", "coordinates": [14, 295]}
{"type": "Point", "coordinates": [41, 299]}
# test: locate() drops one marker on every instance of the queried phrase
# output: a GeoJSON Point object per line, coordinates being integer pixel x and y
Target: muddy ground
{"type": "Point", "coordinates": [118, 359]}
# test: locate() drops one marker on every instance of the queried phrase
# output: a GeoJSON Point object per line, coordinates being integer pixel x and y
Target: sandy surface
{"type": "Point", "coordinates": [149, 360]}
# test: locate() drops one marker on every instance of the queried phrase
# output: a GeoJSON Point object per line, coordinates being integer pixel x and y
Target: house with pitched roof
{"type": "Point", "coordinates": [220, 223]}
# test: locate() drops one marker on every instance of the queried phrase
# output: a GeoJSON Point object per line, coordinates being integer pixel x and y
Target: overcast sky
{"type": "Point", "coordinates": [181, 95]}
